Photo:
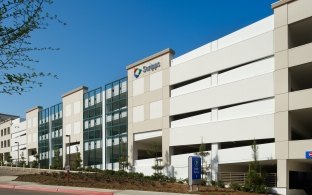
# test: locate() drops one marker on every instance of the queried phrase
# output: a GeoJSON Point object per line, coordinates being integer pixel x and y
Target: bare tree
{"type": "Point", "coordinates": [18, 20]}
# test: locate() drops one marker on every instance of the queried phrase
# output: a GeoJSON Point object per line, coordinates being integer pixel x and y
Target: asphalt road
{"type": "Point", "coordinates": [26, 192]}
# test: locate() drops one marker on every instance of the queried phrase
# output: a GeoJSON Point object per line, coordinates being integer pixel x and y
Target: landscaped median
{"type": "Point", "coordinates": [121, 180]}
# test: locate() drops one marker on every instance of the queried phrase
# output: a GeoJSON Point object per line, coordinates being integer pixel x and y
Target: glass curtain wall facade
{"type": "Point", "coordinates": [43, 138]}
{"type": "Point", "coordinates": [56, 115]}
{"type": "Point", "coordinates": [116, 123]}
{"type": "Point", "coordinates": [92, 129]}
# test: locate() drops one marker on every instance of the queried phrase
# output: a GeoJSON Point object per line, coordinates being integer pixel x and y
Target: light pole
{"type": "Point", "coordinates": [68, 164]}
{"type": "Point", "coordinates": [17, 152]}
{"type": "Point", "coordinates": [68, 151]}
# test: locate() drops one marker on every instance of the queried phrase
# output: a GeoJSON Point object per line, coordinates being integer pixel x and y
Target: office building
{"type": "Point", "coordinates": [251, 85]}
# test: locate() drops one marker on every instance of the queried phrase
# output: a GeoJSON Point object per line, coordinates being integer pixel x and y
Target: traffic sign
{"type": "Point", "coordinates": [308, 154]}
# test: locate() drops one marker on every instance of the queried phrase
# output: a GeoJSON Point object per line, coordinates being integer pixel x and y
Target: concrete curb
{"type": "Point", "coordinates": [60, 190]}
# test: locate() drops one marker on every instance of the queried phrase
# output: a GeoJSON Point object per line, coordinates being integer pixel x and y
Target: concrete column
{"type": "Point", "coordinates": [214, 79]}
{"type": "Point", "coordinates": [166, 153]}
{"type": "Point", "coordinates": [132, 150]}
{"type": "Point", "coordinates": [214, 114]}
{"type": "Point", "coordinates": [282, 175]}
{"type": "Point", "coordinates": [214, 161]}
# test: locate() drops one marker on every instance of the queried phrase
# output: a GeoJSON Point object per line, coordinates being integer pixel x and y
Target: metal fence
{"type": "Point", "coordinates": [240, 178]}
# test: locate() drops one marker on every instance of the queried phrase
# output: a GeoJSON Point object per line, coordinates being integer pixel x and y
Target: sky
{"type": "Point", "coordinates": [102, 37]}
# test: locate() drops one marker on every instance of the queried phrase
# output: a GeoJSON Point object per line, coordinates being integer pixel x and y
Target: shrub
{"type": "Point", "coordinates": [220, 184]}
{"type": "Point", "coordinates": [235, 186]}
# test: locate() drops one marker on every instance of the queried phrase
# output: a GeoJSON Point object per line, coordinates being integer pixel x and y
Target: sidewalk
{"type": "Point", "coordinates": [8, 183]}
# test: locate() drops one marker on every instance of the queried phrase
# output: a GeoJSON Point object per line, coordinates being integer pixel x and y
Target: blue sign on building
{"type": "Point", "coordinates": [308, 154]}
{"type": "Point", "coordinates": [194, 163]}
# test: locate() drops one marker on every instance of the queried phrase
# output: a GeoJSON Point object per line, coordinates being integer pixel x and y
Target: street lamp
{"type": "Point", "coordinates": [68, 151]}
{"type": "Point", "coordinates": [68, 164]}
{"type": "Point", "coordinates": [17, 152]}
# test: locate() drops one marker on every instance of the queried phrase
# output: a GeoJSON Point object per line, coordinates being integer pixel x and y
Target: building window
{"type": "Point", "coordinates": [8, 143]}
{"type": "Point", "coordinates": [4, 131]}
{"type": "Point", "coordinates": [2, 144]}
{"type": "Point", "coordinates": [8, 130]}
{"type": "Point", "coordinates": [1, 132]}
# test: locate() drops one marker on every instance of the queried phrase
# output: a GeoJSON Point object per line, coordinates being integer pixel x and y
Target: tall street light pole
{"type": "Point", "coordinates": [68, 164]}
{"type": "Point", "coordinates": [17, 152]}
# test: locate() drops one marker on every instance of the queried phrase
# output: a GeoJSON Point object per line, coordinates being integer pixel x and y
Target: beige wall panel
{"type": "Point", "coordinates": [282, 173]}
{"type": "Point", "coordinates": [299, 10]}
{"type": "Point", "coordinates": [166, 123]}
{"type": "Point", "coordinates": [147, 97]}
{"type": "Point", "coordinates": [300, 99]}
{"type": "Point", "coordinates": [281, 102]}
{"type": "Point", "coordinates": [166, 107]}
{"type": "Point", "coordinates": [281, 81]}
{"type": "Point", "coordinates": [300, 55]}
{"type": "Point", "coordinates": [281, 38]}
{"type": "Point", "coordinates": [148, 125]}
{"type": "Point", "coordinates": [281, 126]}
{"type": "Point", "coordinates": [130, 89]}
{"type": "Point", "coordinates": [166, 154]}
{"type": "Point", "coordinates": [281, 60]}
{"type": "Point", "coordinates": [166, 77]}
{"type": "Point", "coordinates": [280, 16]}
{"type": "Point", "coordinates": [75, 118]}
{"type": "Point", "coordinates": [166, 92]}
{"type": "Point", "coordinates": [147, 112]}
{"type": "Point", "coordinates": [281, 150]}
{"type": "Point", "coordinates": [298, 148]}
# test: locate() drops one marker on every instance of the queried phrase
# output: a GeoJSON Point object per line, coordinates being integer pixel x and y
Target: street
{"type": "Point", "coordinates": [26, 192]}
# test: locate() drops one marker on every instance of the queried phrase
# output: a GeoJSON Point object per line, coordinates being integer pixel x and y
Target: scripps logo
{"type": "Point", "coordinates": [137, 71]}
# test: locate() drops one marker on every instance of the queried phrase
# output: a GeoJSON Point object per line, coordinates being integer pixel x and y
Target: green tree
{"type": "Point", "coordinates": [254, 180]}
{"type": "Point", "coordinates": [22, 161]}
{"type": "Point", "coordinates": [77, 162]}
{"type": "Point", "coordinates": [123, 157]}
{"type": "Point", "coordinates": [34, 163]}
{"type": "Point", "coordinates": [19, 19]}
{"type": "Point", "coordinates": [57, 161]}
{"type": "Point", "coordinates": [203, 153]}
{"type": "Point", "coordinates": [8, 158]}
{"type": "Point", "coordinates": [156, 152]}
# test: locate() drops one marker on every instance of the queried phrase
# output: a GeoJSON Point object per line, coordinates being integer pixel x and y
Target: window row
{"type": "Point", "coordinates": [92, 112]}
{"type": "Point", "coordinates": [111, 107]}
{"type": "Point", "coordinates": [116, 116]}
{"type": "Point", "coordinates": [92, 97]}
{"type": "Point", "coordinates": [44, 155]}
{"type": "Point", "coordinates": [92, 145]}
{"type": "Point", "coordinates": [92, 123]}
{"type": "Point", "coordinates": [44, 137]}
{"type": "Point", "coordinates": [56, 111]}
{"type": "Point", "coordinates": [5, 131]}
{"type": "Point", "coordinates": [58, 133]}
{"type": "Point", "coordinates": [57, 142]}
{"type": "Point", "coordinates": [116, 130]}
{"type": "Point", "coordinates": [5, 143]}
{"type": "Point", "coordinates": [44, 116]}
{"type": "Point", "coordinates": [116, 88]}
{"type": "Point", "coordinates": [92, 157]}
{"type": "Point", "coordinates": [91, 135]}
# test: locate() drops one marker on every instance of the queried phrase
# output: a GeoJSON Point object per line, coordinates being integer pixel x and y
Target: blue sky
{"type": "Point", "coordinates": [102, 37]}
